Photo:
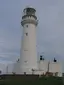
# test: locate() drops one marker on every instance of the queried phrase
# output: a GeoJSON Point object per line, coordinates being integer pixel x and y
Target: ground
{"type": "Point", "coordinates": [30, 80]}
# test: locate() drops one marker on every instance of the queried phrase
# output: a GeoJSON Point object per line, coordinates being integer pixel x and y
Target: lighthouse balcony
{"type": "Point", "coordinates": [29, 16]}
{"type": "Point", "coordinates": [29, 20]}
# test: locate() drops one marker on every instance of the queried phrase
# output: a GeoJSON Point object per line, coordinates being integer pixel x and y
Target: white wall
{"type": "Point", "coordinates": [3, 68]}
{"type": "Point", "coordinates": [28, 57]}
{"type": "Point", "coordinates": [16, 68]}
{"type": "Point", "coordinates": [43, 66]}
{"type": "Point", "coordinates": [10, 68]}
{"type": "Point", "coordinates": [55, 67]}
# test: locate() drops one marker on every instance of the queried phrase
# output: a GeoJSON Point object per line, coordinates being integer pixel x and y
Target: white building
{"type": "Point", "coordinates": [3, 68]}
{"type": "Point", "coordinates": [28, 54]}
{"type": "Point", "coordinates": [55, 68]}
{"type": "Point", "coordinates": [28, 63]}
{"type": "Point", "coordinates": [42, 66]}
{"type": "Point", "coordinates": [9, 68]}
{"type": "Point", "coordinates": [16, 67]}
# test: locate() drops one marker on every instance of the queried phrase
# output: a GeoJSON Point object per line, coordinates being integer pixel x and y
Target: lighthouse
{"type": "Point", "coordinates": [28, 63]}
{"type": "Point", "coordinates": [28, 54]}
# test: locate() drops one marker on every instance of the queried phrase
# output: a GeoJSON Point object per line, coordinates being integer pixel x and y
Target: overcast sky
{"type": "Point", "coordinates": [50, 30]}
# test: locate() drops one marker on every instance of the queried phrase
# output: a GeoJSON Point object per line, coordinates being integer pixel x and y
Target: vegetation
{"type": "Point", "coordinates": [29, 80]}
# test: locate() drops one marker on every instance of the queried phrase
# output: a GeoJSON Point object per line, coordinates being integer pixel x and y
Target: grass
{"type": "Point", "coordinates": [29, 80]}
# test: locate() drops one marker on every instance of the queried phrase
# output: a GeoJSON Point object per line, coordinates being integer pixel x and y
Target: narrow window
{"type": "Point", "coordinates": [26, 34]}
{"type": "Point", "coordinates": [24, 73]}
{"type": "Point", "coordinates": [26, 25]}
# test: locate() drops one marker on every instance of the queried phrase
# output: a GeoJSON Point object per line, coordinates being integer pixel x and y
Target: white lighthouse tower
{"type": "Point", "coordinates": [28, 56]}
